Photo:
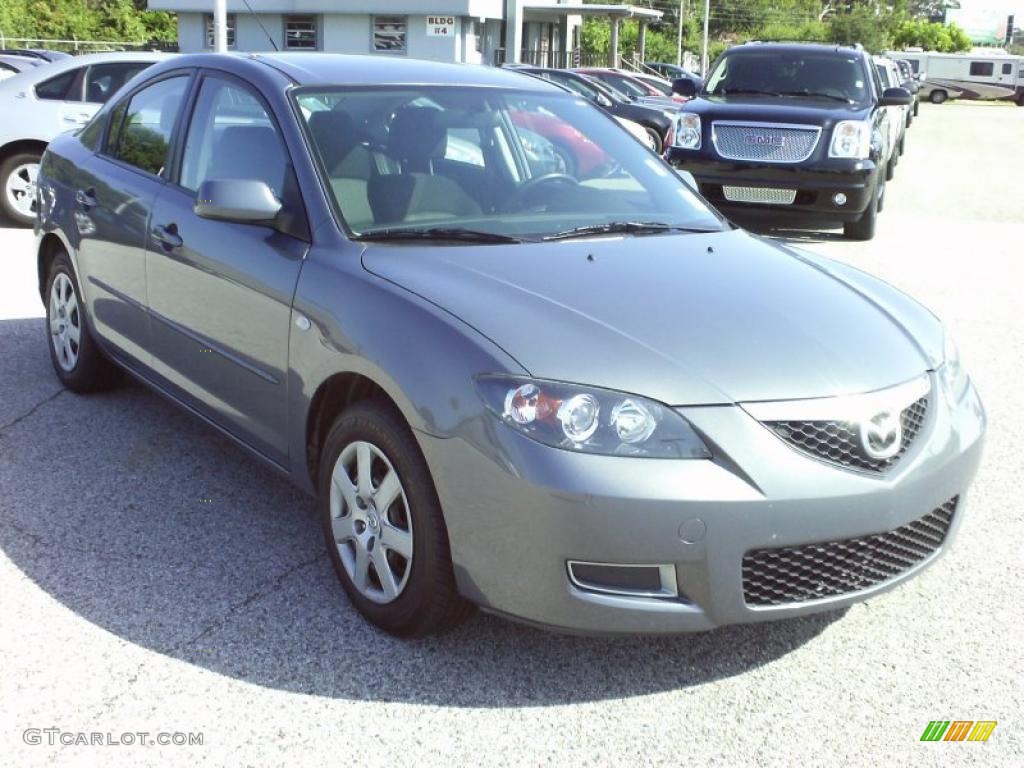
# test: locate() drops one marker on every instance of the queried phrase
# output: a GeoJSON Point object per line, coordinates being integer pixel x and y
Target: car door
{"type": "Point", "coordinates": [114, 193]}
{"type": "Point", "coordinates": [220, 292]}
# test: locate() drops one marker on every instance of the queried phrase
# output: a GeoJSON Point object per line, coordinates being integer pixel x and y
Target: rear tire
{"type": "Point", "coordinates": [864, 227]}
{"type": "Point", "coordinates": [890, 167]}
{"type": "Point", "coordinates": [937, 97]}
{"type": "Point", "coordinates": [917, 105]}
{"type": "Point", "coordinates": [18, 187]}
{"type": "Point", "coordinates": [388, 519]}
{"type": "Point", "coordinates": [77, 359]}
{"type": "Point", "coordinates": [902, 144]}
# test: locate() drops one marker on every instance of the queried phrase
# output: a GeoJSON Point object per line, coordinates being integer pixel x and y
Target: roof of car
{"type": "Point", "coordinates": [797, 47]}
{"type": "Point", "coordinates": [340, 69]}
{"type": "Point", "coordinates": [47, 69]}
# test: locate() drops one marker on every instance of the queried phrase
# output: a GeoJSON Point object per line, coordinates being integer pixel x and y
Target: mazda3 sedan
{"type": "Point", "coordinates": [578, 398]}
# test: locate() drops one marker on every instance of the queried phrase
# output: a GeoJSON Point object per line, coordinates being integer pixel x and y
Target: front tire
{"type": "Point", "coordinates": [653, 140]}
{"type": "Point", "coordinates": [383, 524]}
{"type": "Point", "coordinates": [18, 184]}
{"type": "Point", "coordinates": [937, 97]}
{"type": "Point", "coordinates": [77, 359]}
{"type": "Point", "coordinates": [864, 227]}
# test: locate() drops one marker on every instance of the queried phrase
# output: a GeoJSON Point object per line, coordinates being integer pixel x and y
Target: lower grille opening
{"type": "Point", "coordinates": [626, 580]}
{"type": "Point", "coordinates": [815, 571]}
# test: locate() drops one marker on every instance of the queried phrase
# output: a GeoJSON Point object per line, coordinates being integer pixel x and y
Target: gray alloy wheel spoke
{"type": "Point", "coordinates": [396, 540]}
{"type": "Point", "coordinates": [388, 583]}
{"type": "Point", "coordinates": [361, 522]}
{"type": "Point", "coordinates": [387, 492]}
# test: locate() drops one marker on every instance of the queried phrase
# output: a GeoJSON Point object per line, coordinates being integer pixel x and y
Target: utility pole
{"type": "Point", "coordinates": [679, 33]}
{"type": "Point", "coordinates": [220, 26]}
{"type": "Point", "coordinates": [704, 45]}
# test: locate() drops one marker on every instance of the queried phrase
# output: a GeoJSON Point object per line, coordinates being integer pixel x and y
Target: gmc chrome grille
{"type": "Point", "coordinates": [839, 442]}
{"type": "Point", "coordinates": [767, 143]}
{"type": "Point", "coordinates": [815, 571]}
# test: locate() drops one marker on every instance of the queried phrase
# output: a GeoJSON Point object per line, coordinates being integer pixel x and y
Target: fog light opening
{"type": "Point", "coordinates": [839, 198]}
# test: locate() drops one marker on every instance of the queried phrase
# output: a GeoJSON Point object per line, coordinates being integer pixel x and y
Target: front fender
{"type": "Point", "coordinates": [423, 357]}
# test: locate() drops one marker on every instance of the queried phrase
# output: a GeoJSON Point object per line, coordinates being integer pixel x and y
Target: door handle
{"type": "Point", "coordinates": [86, 198]}
{"type": "Point", "coordinates": [167, 236]}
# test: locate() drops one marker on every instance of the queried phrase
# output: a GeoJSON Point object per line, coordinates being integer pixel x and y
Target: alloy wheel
{"type": "Point", "coordinates": [371, 522]}
{"type": "Point", "coordinates": [65, 322]}
{"type": "Point", "coordinates": [20, 188]}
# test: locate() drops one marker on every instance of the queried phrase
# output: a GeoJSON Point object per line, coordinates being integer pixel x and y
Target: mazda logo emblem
{"type": "Point", "coordinates": [881, 436]}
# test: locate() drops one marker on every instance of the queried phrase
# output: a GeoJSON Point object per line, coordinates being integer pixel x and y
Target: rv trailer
{"type": "Point", "coordinates": [967, 75]}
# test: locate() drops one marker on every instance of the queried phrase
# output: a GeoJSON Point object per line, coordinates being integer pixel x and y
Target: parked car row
{"type": "Point", "coordinates": [50, 93]}
{"type": "Point", "coordinates": [795, 134]}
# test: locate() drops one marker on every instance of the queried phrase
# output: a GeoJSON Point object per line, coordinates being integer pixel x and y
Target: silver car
{"type": "Point", "coordinates": [44, 101]}
{"type": "Point", "coordinates": [519, 363]}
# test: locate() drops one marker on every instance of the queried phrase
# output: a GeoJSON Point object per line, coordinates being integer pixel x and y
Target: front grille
{"type": "Point", "coordinates": [767, 195]}
{"type": "Point", "coordinates": [816, 571]}
{"type": "Point", "coordinates": [838, 442]}
{"type": "Point", "coordinates": [764, 143]}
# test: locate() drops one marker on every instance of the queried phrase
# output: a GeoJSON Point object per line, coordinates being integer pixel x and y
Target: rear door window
{"type": "Point", "coordinates": [59, 87]}
{"type": "Point", "coordinates": [142, 125]}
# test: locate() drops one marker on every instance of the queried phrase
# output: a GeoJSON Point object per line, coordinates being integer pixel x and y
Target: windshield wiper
{"type": "Point", "coordinates": [438, 233]}
{"type": "Point", "coordinates": [745, 92]}
{"type": "Point", "coordinates": [617, 227]}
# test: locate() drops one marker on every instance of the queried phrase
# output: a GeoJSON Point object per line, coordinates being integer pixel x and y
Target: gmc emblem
{"type": "Point", "coordinates": [765, 140]}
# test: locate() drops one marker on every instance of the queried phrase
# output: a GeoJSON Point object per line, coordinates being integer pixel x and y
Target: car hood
{"type": "Point", "coordinates": [686, 319]}
{"type": "Point", "coordinates": [775, 109]}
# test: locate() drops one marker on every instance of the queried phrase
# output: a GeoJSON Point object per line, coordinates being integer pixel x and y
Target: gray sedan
{"type": "Point", "coordinates": [520, 364]}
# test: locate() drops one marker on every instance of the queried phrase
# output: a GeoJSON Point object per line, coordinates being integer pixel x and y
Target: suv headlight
{"type": "Point", "coordinates": [589, 419]}
{"type": "Point", "coordinates": [687, 131]}
{"type": "Point", "coordinates": [851, 139]}
{"type": "Point", "coordinates": [952, 372]}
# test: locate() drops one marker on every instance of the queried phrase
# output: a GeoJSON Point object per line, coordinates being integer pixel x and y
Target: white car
{"type": "Point", "coordinates": [889, 75]}
{"type": "Point", "coordinates": [45, 101]}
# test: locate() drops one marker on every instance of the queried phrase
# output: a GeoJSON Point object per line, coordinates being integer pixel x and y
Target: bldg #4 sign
{"type": "Point", "coordinates": [440, 26]}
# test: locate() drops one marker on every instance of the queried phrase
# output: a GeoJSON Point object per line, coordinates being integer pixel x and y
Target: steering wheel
{"type": "Point", "coordinates": [518, 196]}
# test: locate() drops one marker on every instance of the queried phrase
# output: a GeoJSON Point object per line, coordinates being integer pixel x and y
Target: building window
{"type": "Point", "coordinates": [300, 33]}
{"type": "Point", "coordinates": [981, 68]}
{"type": "Point", "coordinates": [389, 33]}
{"type": "Point", "coordinates": [211, 41]}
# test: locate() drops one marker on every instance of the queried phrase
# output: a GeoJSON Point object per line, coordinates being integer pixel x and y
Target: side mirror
{"type": "Point", "coordinates": [685, 87]}
{"type": "Point", "coordinates": [241, 200]}
{"type": "Point", "coordinates": [896, 97]}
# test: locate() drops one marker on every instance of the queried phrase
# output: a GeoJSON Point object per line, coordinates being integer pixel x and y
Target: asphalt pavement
{"type": "Point", "coordinates": [154, 579]}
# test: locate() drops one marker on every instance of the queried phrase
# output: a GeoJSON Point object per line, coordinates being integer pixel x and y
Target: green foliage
{"type": "Point", "coordinates": [944, 38]}
{"type": "Point", "coordinates": [865, 25]}
{"type": "Point", "coordinates": [117, 20]}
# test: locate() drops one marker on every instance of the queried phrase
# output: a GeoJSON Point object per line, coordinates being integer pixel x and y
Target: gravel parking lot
{"type": "Point", "coordinates": [155, 579]}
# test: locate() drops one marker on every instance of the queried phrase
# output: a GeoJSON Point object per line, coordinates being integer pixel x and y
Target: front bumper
{"type": "Point", "coordinates": [815, 183]}
{"type": "Point", "coordinates": [518, 512]}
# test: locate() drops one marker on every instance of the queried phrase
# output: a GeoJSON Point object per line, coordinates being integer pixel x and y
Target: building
{"type": "Point", "coordinates": [544, 32]}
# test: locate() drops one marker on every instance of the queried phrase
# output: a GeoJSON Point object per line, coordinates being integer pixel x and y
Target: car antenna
{"type": "Point", "coordinates": [276, 49]}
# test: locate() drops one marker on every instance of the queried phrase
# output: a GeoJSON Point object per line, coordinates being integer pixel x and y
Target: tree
{"type": "Point", "coordinates": [931, 36]}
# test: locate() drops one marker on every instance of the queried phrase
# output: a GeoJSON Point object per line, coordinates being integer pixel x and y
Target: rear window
{"type": "Point", "coordinates": [57, 88]}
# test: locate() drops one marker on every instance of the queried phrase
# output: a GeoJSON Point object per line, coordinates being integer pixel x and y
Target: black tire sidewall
{"type": "Point", "coordinates": [658, 147]}
{"type": "Point", "coordinates": [412, 612]}
{"type": "Point", "coordinates": [6, 168]}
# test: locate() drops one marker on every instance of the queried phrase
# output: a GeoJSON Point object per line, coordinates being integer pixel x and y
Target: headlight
{"type": "Point", "coordinates": [687, 130]}
{"type": "Point", "coordinates": [851, 139]}
{"type": "Point", "coordinates": [589, 419]}
{"type": "Point", "coordinates": [952, 372]}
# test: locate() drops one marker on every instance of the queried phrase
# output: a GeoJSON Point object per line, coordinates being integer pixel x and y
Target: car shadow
{"type": "Point", "coordinates": [150, 525]}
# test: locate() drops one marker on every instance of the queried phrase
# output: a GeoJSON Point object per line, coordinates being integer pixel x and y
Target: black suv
{"type": "Point", "coordinates": [791, 133]}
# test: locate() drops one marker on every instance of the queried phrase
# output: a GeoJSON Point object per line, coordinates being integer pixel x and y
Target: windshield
{"type": "Point", "coordinates": [490, 162]}
{"type": "Point", "coordinates": [828, 76]}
